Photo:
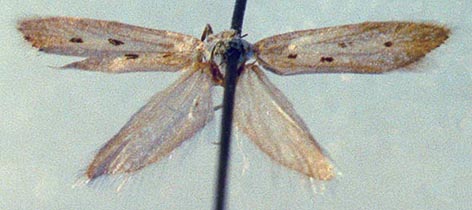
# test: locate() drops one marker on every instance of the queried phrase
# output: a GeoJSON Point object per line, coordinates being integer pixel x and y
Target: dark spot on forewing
{"type": "Point", "coordinates": [342, 45]}
{"type": "Point", "coordinates": [327, 59]}
{"type": "Point", "coordinates": [131, 56]}
{"type": "Point", "coordinates": [292, 55]}
{"type": "Point", "coordinates": [28, 38]}
{"type": "Point", "coordinates": [388, 44]}
{"type": "Point", "coordinates": [76, 40]}
{"type": "Point", "coordinates": [166, 55]}
{"type": "Point", "coordinates": [115, 42]}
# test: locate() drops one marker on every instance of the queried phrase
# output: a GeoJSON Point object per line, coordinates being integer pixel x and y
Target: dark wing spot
{"type": "Point", "coordinates": [131, 56]}
{"type": "Point", "coordinates": [327, 59]}
{"type": "Point", "coordinates": [342, 45]}
{"type": "Point", "coordinates": [166, 55]}
{"type": "Point", "coordinates": [292, 55]}
{"type": "Point", "coordinates": [115, 42]}
{"type": "Point", "coordinates": [388, 44]}
{"type": "Point", "coordinates": [28, 38]}
{"type": "Point", "coordinates": [76, 40]}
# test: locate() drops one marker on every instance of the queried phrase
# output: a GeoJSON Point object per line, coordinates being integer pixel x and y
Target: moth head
{"type": "Point", "coordinates": [220, 44]}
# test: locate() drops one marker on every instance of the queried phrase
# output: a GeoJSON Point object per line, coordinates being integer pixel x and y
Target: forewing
{"type": "Point", "coordinates": [169, 118]}
{"type": "Point", "coordinates": [370, 47]}
{"type": "Point", "coordinates": [265, 115]}
{"type": "Point", "coordinates": [110, 46]}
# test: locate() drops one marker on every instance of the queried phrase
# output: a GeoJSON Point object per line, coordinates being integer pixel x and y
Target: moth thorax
{"type": "Point", "coordinates": [222, 49]}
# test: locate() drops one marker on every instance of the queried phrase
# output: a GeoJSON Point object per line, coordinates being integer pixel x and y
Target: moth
{"type": "Point", "coordinates": [262, 112]}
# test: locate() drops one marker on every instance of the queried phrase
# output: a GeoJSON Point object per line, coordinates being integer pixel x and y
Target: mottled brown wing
{"type": "Point", "coordinates": [110, 46]}
{"type": "Point", "coordinates": [265, 115]}
{"type": "Point", "coordinates": [370, 47]}
{"type": "Point", "coordinates": [169, 118]}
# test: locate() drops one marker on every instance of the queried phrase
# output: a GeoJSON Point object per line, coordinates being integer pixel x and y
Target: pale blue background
{"type": "Point", "coordinates": [399, 141]}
